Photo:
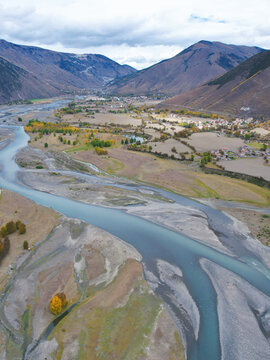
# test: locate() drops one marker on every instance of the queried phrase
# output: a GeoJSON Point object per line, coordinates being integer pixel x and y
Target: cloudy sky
{"type": "Point", "coordinates": [137, 33]}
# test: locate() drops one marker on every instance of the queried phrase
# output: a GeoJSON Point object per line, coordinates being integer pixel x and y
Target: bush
{"type": "Point", "coordinates": [25, 245]}
{"type": "Point", "coordinates": [100, 151]}
{"type": "Point", "coordinates": [46, 145]}
{"type": "Point", "coordinates": [22, 228]}
{"type": "Point", "coordinates": [6, 246]}
{"type": "Point", "coordinates": [3, 231]}
{"type": "Point", "coordinates": [1, 247]}
{"type": "Point", "coordinates": [11, 227]}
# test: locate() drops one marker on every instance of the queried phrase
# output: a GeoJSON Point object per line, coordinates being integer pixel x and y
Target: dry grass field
{"type": "Point", "coordinates": [39, 222]}
{"type": "Point", "coordinates": [254, 167]}
{"type": "Point", "coordinates": [211, 141]}
{"type": "Point", "coordinates": [175, 176]}
{"type": "Point", "coordinates": [103, 119]}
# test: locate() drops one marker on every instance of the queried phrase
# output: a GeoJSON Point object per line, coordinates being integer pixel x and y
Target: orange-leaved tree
{"type": "Point", "coordinates": [58, 302]}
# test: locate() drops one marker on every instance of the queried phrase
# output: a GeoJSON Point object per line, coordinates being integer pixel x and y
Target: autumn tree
{"type": "Point", "coordinates": [57, 303]}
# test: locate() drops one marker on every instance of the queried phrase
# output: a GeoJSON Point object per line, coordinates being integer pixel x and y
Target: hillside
{"type": "Point", "coordinates": [16, 83]}
{"type": "Point", "coordinates": [242, 90]}
{"type": "Point", "coordinates": [63, 71]}
{"type": "Point", "coordinates": [195, 65]}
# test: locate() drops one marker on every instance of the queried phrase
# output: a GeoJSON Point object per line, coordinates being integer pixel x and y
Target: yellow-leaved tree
{"type": "Point", "coordinates": [58, 302]}
{"type": "Point", "coordinates": [56, 305]}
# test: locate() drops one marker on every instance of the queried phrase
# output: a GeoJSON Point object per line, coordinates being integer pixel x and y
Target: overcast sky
{"type": "Point", "coordinates": [137, 33]}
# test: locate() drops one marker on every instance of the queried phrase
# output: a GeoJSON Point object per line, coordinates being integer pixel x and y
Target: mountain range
{"type": "Point", "coordinates": [43, 73]}
{"type": "Point", "coordinates": [31, 72]}
{"type": "Point", "coordinates": [195, 65]}
{"type": "Point", "coordinates": [243, 90]}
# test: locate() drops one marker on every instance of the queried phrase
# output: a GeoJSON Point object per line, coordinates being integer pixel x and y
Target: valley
{"type": "Point", "coordinates": [100, 274]}
{"type": "Point", "coordinates": [134, 204]}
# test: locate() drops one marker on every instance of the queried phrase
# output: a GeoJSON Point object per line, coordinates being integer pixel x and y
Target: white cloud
{"type": "Point", "coordinates": [139, 35]}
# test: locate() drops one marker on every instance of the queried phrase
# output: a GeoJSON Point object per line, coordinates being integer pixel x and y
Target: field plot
{"type": "Point", "coordinates": [261, 131]}
{"type": "Point", "coordinates": [211, 141]}
{"type": "Point", "coordinates": [104, 118]}
{"type": "Point", "coordinates": [167, 146]}
{"type": "Point", "coordinates": [254, 167]}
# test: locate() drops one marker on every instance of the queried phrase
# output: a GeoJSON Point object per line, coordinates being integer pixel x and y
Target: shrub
{"type": "Point", "coordinates": [100, 151]}
{"type": "Point", "coordinates": [11, 227]}
{"type": "Point", "coordinates": [6, 246]}
{"type": "Point", "coordinates": [25, 245]}
{"type": "Point", "coordinates": [46, 145]}
{"type": "Point", "coordinates": [3, 231]}
{"type": "Point", "coordinates": [1, 247]}
{"type": "Point", "coordinates": [22, 228]}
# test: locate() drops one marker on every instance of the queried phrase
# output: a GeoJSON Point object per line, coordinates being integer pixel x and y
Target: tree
{"type": "Point", "coordinates": [62, 297]}
{"type": "Point", "coordinates": [19, 119]}
{"type": "Point", "coordinates": [6, 245]}
{"type": "Point", "coordinates": [4, 231]}
{"type": "Point", "coordinates": [22, 228]}
{"type": "Point", "coordinates": [25, 245]}
{"type": "Point", "coordinates": [1, 247]}
{"type": "Point", "coordinates": [11, 227]}
{"type": "Point", "coordinates": [56, 305]}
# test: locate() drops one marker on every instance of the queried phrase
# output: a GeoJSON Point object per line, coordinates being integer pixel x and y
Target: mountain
{"type": "Point", "coordinates": [242, 90]}
{"type": "Point", "coordinates": [195, 65]}
{"type": "Point", "coordinates": [16, 83]}
{"type": "Point", "coordinates": [64, 71]}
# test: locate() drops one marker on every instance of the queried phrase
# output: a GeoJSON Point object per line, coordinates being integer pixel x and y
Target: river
{"type": "Point", "coordinates": [156, 242]}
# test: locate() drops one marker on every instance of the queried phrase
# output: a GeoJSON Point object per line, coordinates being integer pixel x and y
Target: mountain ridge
{"type": "Point", "coordinates": [194, 65]}
{"type": "Point", "coordinates": [244, 90]}
{"type": "Point", "coordinates": [61, 71]}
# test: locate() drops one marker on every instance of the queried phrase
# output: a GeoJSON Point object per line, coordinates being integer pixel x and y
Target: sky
{"type": "Point", "coordinates": [138, 33]}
